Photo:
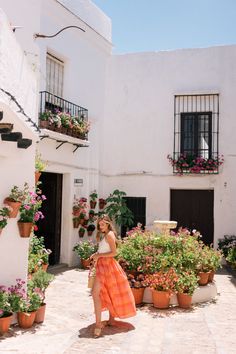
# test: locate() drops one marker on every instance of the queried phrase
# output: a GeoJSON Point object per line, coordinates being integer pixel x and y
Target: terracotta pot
{"type": "Point", "coordinates": [44, 124]}
{"type": "Point", "coordinates": [37, 176]}
{"type": "Point", "coordinates": [5, 324]}
{"type": "Point", "coordinates": [92, 204]}
{"type": "Point", "coordinates": [15, 207]}
{"type": "Point", "coordinates": [184, 300]}
{"type": "Point", "coordinates": [161, 299]}
{"type": "Point", "coordinates": [102, 205]}
{"type": "Point", "coordinates": [138, 295]}
{"type": "Point", "coordinates": [211, 276]}
{"type": "Point", "coordinates": [89, 233]}
{"type": "Point", "coordinates": [204, 276]}
{"type": "Point", "coordinates": [85, 223]}
{"type": "Point", "coordinates": [26, 319]}
{"type": "Point", "coordinates": [85, 263]}
{"type": "Point", "coordinates": [40, 314]}
{"type": "Point", "coordinates": [45, 266]}
{"type": "Point", "coordinates": [25, 228]}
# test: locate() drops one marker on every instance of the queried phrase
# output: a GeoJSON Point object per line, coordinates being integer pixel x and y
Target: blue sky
{"type": "Point", "coordinates": [150, 25]}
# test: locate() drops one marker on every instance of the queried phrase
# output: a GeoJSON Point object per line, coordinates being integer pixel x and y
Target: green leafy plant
{"type": "Point", "coordinates": [226, 243]}
{"type": "Point", "coordinates": [4, 215]}
{"type": "Point", "coordinates": [117, 209]}
{"type": "Point", "coordinates": [5, 306]}
{"type": "Point", "coordinates": [40, 165]}
{"type": "Point", "coordinates": [187, 282]}
{"type": "Point", "coordinates": [85, 249]}
{"type": "Point", "coordinates": [93, 196]}
{"type": "Point", "coordinates": [40, 282]}
{"type": "Point", "coordinates": [231, 258]}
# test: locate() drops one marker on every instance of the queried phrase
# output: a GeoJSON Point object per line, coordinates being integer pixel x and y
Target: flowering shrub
{"type": "Point", "coordinates": [29, 210]}
{"type": "Point", "coordinates": [85, 249]}
{"type": "Point", "coordinates": [163, 281]}
{"type": "Point", "coordinates": [187, 282]}
{"type": "Point", "coordinates": [4, 214]}
{"type": "Point", "coordinates": [16, 294]}
{"type": "Point", "coordinates": [186, 163]}
{"type": "Point", "coordinates": [5, 306]}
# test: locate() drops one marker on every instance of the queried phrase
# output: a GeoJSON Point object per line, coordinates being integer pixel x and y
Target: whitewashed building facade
{"type": "Point", "coordinates": [133, 101]}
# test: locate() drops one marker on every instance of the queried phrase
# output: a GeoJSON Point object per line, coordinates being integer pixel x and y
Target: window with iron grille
{"type": "Point", "coordinates": [55, 79]}
{"type": "Point", "coordinates": [196, 131]}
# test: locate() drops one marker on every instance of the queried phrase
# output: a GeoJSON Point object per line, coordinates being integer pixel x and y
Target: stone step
{"type": "Point", "coordinates": [24, 143]}
{"type": "Point", "coordinates": [15, 136]}
{"type": "Point", "coordinates": [6, 128]}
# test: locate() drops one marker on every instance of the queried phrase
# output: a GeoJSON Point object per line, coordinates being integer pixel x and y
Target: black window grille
{"type": "Point", "coordinates": [196, 127]}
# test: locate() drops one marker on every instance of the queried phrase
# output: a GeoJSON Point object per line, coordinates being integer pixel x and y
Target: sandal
{"type": "Point", "coordinates": [97, 332]}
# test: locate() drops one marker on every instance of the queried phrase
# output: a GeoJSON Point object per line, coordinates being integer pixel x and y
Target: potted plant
{"type": "Point", "coordinates": [117, 209]}
{"type": "Point", "coordinates": [163, 285]}
{"type": "Point", "coordinates": [45, 253]}
{"type": "Point", "coordinates": [39, 283]}
{"type": "Point", "coordinates": [186, 284]}
{"type": "Point", "coordinates": [5, 310]}
{"type": "Point", "coordinates": [84, 250]}
{"type": "Point", "coordinates": [90, 229]}
{"type": "Point", "coordinates": [215, 258]}
{"type": "Point", "coordinates": [40, 166]}
{"type": "Point", "coordinates": [231, 257]}
{"type": "Point", "coordinates": [91, 215]}
{"type": "Point", "coordinates": [81, 232]}
{"type": "Point", "coordinates": [188, 163]}
{"type": "Point", "coordinates": [203, 266]}
{"type": "Point", "coordinates": [29, 212]}
{"type": "Point", "coordinates": [80, 208]}
{"type": "Point", "coordinates": [101, 203]}
{"type": "Point", "coordinates": [44, 118]}
{"type": "Point", "coordinates": [4, 215]}
{"type": "Point", "coordinates": [93, 199]}
{"type": "Point", "coordinates": [76, 222]}
{"type": "Point", "coordinates": [15, 199]}
{"type": "Point", "coordinates": [137, 285]}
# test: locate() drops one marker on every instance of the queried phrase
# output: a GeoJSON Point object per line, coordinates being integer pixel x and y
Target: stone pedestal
{"type": "Point", "coordinates": [164, 226]}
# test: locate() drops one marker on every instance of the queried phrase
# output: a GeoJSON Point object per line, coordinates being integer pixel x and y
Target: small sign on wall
{"type": "Point", "coordinates": [78, 182]}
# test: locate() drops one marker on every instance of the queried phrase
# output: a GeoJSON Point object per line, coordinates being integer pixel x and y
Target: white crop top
{"type": "Point", "coordinates": [103, 246]}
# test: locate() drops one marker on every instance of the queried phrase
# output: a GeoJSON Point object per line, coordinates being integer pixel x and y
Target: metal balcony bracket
{"type": "Point", "coordinates": [61, 143]}
{"type": "Point", "coordinates": [44, 137]}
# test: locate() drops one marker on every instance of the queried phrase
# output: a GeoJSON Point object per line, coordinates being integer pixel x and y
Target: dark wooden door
{"type": "Point", "coordinates": [138, 207]}
{"type": "Point", "coordinates": [194, 209]}
{"type": "Point", "coordinates": [50, 226]}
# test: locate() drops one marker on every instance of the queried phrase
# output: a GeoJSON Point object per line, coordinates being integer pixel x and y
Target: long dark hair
{"type": "Point", "coordinates": [108, 221]}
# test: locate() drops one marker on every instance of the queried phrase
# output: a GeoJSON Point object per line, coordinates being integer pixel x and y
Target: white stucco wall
{"type": "Point", "coordinates": [139, 130]}
{"type": "Point", "coordinates": [16, 165]}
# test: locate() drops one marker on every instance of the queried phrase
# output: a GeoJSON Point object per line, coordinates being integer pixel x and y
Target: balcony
{"type": "Point", "coordinates": [64, 117]}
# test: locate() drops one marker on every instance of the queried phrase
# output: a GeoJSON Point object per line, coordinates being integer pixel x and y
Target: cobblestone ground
{"type": "Point", "coordinates": [68, 327]}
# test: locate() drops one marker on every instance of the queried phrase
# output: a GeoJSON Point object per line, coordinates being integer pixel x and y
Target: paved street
{"type": "Point", "coordinates": [206, 329]}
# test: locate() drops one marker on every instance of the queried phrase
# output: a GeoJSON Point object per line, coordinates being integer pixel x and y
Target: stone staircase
{"type": "Point", "coordinates": [7, 134]}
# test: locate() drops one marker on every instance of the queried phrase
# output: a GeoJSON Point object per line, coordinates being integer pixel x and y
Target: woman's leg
{"type": "Point", "coordinates": [97, 302]}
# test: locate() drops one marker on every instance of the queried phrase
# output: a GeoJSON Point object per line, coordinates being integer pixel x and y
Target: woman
{"type": "Point", "coordinates": [111, 289]}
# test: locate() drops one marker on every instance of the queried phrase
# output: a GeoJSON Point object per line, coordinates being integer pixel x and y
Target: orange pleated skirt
{"type": "Point", "coordinates": [115, 294]}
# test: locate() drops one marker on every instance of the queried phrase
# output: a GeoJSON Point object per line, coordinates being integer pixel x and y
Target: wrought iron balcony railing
{"type": "Point", "coordinates": [58, 114]}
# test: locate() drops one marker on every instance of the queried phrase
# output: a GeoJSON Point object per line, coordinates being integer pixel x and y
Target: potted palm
{"type": "Point", "coordinates": [39, 283]}
{"type": "Point", "coordinates": [5, 310]}
{"type": "Point", "coordinates": [84, 250]}
{"type": "Point", "coordinates": [186, 284]}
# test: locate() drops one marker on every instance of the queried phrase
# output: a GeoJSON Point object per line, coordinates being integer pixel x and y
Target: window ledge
{"type": "Point", "coordinates": [62, 139]}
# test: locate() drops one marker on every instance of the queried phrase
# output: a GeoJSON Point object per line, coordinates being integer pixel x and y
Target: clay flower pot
{"type": "Point", "coordinates": [40, 314]}
{"type": "Point", "coordinates": [93, 204]}
{"type": "Point", "coordinates": [26, 319]}
{"type": "Point", "coordinates": [138, 295]}
{"type": "Point", "coordinates": [45, 266]}
{"type": "Point", "coordinates": [211, 276]}
{"type": "Point", "coordinates": [85, 263]}
{"type": "Point", "coordinates": [204, 276]}
{"type": "Point", "coordinates": [184, 300]}
{"type": "Point", "coordinates": [37, 176]}
{"type": "Point", "coordinates": [14, 205]}
{"type": "Point", "coordinates": [25, 228]}
{"type": "Point", "coordinates": [44, 124]}
{"type": "Point", "coordinates": [161, 299]}
{"type": "Point", "coordinates": [5, 324]}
